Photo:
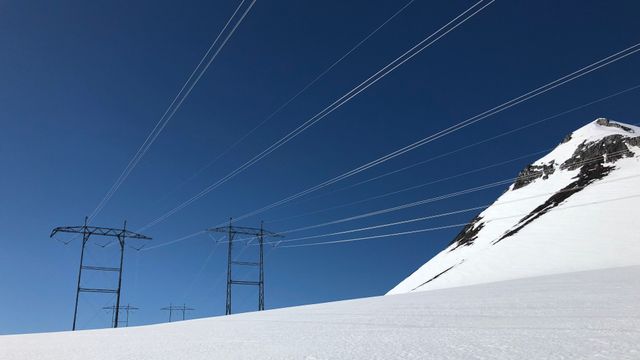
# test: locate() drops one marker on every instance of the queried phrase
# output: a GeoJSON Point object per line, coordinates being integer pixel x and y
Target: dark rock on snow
{"type": "Point", "coordinates": [468, 234]}
{"type": "Point", "coordinates": [610, 149]}
{"type": "Point", "coordinates": [533, 172]}
{"type": "Point", "coordinates": [606, 122]}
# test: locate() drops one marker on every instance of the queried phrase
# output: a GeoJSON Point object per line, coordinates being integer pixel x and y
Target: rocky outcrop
{"type": "Point", "coordinates": [588, 174]}
{"type": "Point", "coordinates": [433, 278]}
{"type": "Point", "coordinates": [468, 233]}
{"type": "Point", "coordinates": [567, 138]}
{"type": "Point", "coordinates": [608, 149]}
{"type": "Point", "coordinates": [589, 157]}
{"type": "Point", "coordinates": [569, 199]}
{"type": "Point", "coordinates": [533, 172]}
{"type": "Point", "coordinates": [607, 122]}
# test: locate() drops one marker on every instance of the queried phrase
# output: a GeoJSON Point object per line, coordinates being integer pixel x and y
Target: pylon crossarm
{"type": "Point", "coordinates": [100, 231]}
{"type": "Point", "coordinates": [244, 231]}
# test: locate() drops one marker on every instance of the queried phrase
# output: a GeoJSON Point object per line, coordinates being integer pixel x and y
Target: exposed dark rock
{"type": "Point", "coordinates": [588, 174]}
{"type": "Point", "coordinates": [608, 149]}
{"type": "Point", "coordinates": [589, 157]}
{"type": "Point", "coordinates": [634, 141]}
{"type": "Point", "coordinates": [611, 148]}
{"type": "Point", "coordinates": [468, 234]}
{"type": "Point", "coordinates": [533, 172]}
{"type": "Point", "coordinates": [606, 122]}
{"type": "Point", "coordinates": [566, 138]}
{"type": "Point", "coordinates": [433, 278]}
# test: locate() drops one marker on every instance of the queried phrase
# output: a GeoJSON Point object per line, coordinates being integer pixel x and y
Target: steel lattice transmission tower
{"type": "Point", "coordinates": [127, 308]}
{"type": "Point", "coordinates": [254, 233]}
{"type": "Point", "coordinates": [87, 231]}
{"type": "Point", "coordinates": [171, 308]}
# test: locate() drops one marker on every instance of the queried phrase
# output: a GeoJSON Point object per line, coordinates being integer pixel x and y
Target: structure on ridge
{"type": "Point", "coordinates": [127, 308]}
{"type": "Point", "coordinates": [171, 308]}
{"type": "Point", "coordinates": [87, 232]}
{"type": "Point", "coordinates": [254, 233]}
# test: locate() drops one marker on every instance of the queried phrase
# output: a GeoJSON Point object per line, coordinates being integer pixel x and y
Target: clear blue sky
{"type": "Point", "coordinates": [83, 83]}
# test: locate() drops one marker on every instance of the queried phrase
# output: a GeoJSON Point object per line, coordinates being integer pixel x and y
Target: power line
{"type": "Point", "coordinates": [377, 236]}
{"type": "Point", "coordinates": [300, 92]}
{"type": "Point", "coordinates": [413, 204]}
{"type": "Point", "coordinates": [395, 223]}
{"type": "Point", "coordinates": [406, 205]}
{"type": "Point", "coordinates": [177, 101]}
{"type": "Point", "coordinates": [472, 120]}
{"type": "Point", "coordinates": [395, 192]}
{"type": "Point", "coordinates": [202, 267]}
{"type": "Point", "coordinates": [428, 41]}
{"type": "Point", "coordinates": [444, 226]}
{"type": "Point", "coordinates": [446, 154]}
{"type": "Point", "coordinates": [486, 140]}
{"type": "Point", "coordinates": [176, 240]}
{"type": "Point", "coordinates": [436, 198]}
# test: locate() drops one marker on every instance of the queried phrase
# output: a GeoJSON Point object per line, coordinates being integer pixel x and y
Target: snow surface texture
{"type": "Point", "coordinates": [582, 315]}
{"type": "Point", "coordinates": [574, 209]}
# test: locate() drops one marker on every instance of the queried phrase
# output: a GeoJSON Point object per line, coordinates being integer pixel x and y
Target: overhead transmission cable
{"type": "Point", "coordinates": [409, 54]}
{"type": "Point", "coordinates": [466, 147]}
{"type": "Point", "coordinates": [203, 266]}
{"type": "Point", "coordinates": [413, 187]}
{"type": "Point", "coordinates": [341, 241]}
{"type": "Point", "coordinates": [439, 215]}
{"type": "Point", "coordinates": [436, 198]}
{"type": "Point", "coordinates": [380, 226]}
{"type": "Point", "coordinates": [456, 127]}
{"type": "Point", "coordinates": [421, 202]}
{"type": "Point", "coordinates": [180, 239]}
{"type": "Point", "coordinates": [189, 236]}
{"type": "Point", "coordinates": [294, 97]}
{"type": "Point", "coordinates": [182, 95]}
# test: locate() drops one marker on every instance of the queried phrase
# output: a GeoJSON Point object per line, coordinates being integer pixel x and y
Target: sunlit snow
{"type": "Point", "coordinates": [585, 315]}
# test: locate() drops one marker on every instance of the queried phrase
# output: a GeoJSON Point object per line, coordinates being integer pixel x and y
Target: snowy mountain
{"type": "Point", "coordinates": [583, 315]}
{"type": "Point", "coordinates": [574, 209]}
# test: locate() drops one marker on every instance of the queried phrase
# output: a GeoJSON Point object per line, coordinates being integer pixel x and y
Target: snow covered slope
{"type": "Point", "coordinates": [584, 315]}
{"type": "Point", "coordinates": [574, 209]}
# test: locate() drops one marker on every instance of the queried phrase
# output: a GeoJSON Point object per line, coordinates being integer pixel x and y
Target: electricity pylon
{"type": "Point", "coordinates": [255, 233]}
{"type": "Point", "coordinates": [87, 231]}
{"type": "Point", "coordinates": [126, 309]}
{"type": "Point", "coordinates": [171, 308]}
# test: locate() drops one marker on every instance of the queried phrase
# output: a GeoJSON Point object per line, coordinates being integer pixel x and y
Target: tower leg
{"type": "Point", "coordinates": [85, 237]}
{"type": "Point", "coordinates": [230, 246]}
{"type": "Point", "coordinates": [261, 281]}
{"type": "Point", "coordinates": [121, 241]}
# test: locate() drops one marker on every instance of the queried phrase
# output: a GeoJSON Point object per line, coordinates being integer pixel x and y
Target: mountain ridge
{"type": "Point", "coordinates": [554, 204]}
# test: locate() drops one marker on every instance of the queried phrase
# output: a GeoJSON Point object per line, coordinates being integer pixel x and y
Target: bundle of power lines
{"type": "Point", "coordinates": [229, 28]}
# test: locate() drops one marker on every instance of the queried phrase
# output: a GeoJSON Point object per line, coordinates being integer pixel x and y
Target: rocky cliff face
{"type": "Point", "coordinates": [580, 196]}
